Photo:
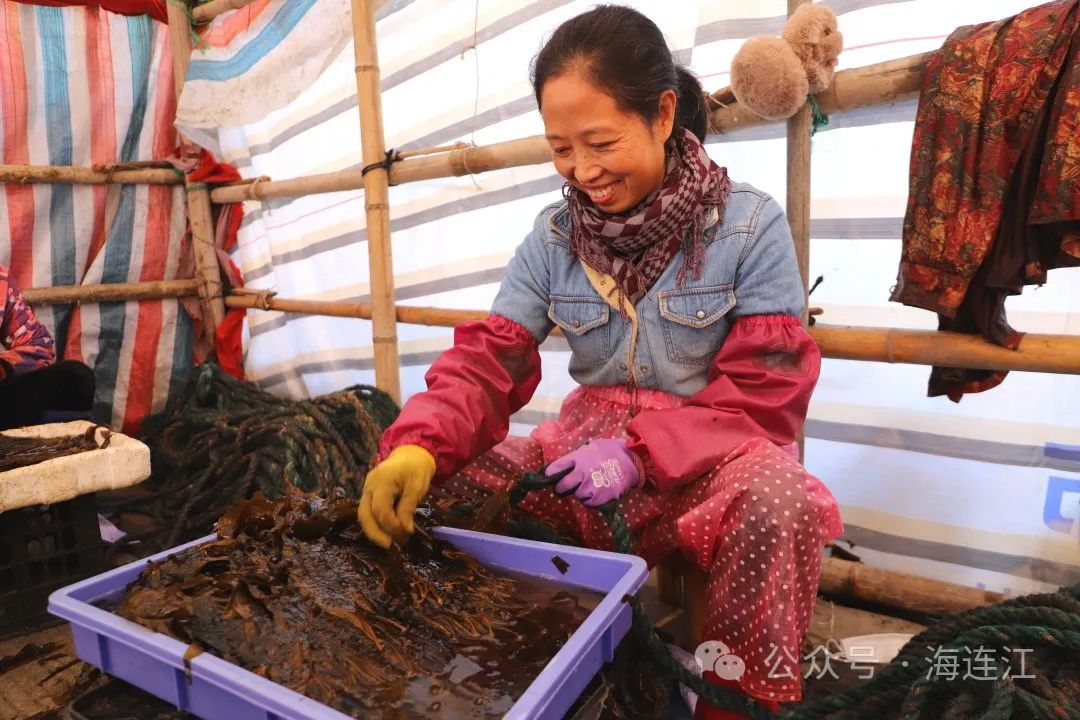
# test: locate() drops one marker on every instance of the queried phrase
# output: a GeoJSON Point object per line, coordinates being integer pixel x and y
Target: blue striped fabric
{"type": "Point", "coordinates": [118, 247]}
{"type": "Point", "coordinates": [58, 119]}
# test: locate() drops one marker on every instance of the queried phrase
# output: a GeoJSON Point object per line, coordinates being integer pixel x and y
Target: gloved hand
{"type": "Point", "coordinates": [392, 490]}
{"type": "Point", "coordinates": [600, 471]}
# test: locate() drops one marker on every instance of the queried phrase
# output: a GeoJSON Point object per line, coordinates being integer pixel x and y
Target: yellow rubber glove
{"type": "Point", "coordinates": [391, 493]}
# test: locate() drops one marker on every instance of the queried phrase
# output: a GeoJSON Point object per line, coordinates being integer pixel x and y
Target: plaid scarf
{"type": "Point", "coordinates": [637, 246]}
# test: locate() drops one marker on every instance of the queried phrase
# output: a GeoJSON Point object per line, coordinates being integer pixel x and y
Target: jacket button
{"type": "Point", "coordinates": [701, 314]}
{"type": "Point", "coordinates": [577, 323]}
{"type": "Point", "coordinates": [644, 368]}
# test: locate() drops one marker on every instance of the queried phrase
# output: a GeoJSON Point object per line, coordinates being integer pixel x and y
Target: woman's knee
{"type": "Point", "coordinates": [779, 506]}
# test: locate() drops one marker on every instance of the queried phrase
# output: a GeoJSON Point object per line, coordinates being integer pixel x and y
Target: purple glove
{"type": "Point", "coordinates": [600, 471]}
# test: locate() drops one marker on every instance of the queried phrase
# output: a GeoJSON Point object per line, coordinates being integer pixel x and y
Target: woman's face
{"type": "Point", "coordinates": [613, 156]}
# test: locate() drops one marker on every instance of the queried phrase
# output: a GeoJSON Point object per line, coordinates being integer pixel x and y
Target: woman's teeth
{"type": "Point", "coordinates": [603, 194]}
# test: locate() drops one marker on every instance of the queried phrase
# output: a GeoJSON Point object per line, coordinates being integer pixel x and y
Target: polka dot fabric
{"type": "Point", "coordinates": [756, 524]}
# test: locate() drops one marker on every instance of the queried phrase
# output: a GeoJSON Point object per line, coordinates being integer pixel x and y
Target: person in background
{"type": "Point", "coordinates": [680, 297]}
{"type": "Point", "coordinates": [32, 383]}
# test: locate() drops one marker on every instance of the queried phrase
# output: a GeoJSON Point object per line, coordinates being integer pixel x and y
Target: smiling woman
{"type": "Point", "coordinates": [610, 96]}
{"type": "Point", "coordinates": [613, 156]}
{"type": "Point", "coordinates": [676, 291]}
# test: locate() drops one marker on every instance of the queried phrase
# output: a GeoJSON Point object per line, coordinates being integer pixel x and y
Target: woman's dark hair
{"type": "Point", "coordinates": [625, 55]}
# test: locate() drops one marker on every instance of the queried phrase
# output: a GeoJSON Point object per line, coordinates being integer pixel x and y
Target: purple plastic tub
{"type": "Point", "coordinates": [213, 688]}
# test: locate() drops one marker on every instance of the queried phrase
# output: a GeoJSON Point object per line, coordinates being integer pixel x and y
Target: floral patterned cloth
{"type": "Point", "coordinates": [995, 176]}
{"type": "Point", "coordinates": [25, 344]}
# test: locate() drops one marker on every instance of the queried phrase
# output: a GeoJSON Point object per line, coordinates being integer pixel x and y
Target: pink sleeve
{"type": "Point", "coordinates": [28, 345]}
{"type": "Point", "coordinates": [759, 385]}
{"type": "Point", "coordinates": [492, 370]}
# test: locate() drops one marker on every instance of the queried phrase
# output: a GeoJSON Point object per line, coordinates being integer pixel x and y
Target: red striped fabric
{"type": "Point", "coordinates": [148, 333]}
{"type": "Point", "coordinates": [16, 151]}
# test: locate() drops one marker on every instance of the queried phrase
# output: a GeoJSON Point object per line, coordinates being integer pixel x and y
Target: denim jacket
{"type": "Point", "coordinates": [672, 333]}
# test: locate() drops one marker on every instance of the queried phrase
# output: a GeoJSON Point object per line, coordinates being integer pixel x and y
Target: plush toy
{"type": "Point", "coordinates": [772, 76]}
{"type": "Point", "coordinates": [812, 33]}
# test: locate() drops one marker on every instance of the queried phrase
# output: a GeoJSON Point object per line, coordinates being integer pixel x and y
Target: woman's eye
{"type": "Point", "coordinates": [603, 145]}
{"type": "Point", "coordinates": [561, 151]}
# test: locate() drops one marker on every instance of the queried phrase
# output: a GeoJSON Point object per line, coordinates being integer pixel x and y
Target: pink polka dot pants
{"type": "Point", "coordinates": [756, 524]}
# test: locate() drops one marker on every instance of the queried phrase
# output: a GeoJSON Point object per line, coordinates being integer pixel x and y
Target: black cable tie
{"type": "Point", "coordinates": [391, 157]}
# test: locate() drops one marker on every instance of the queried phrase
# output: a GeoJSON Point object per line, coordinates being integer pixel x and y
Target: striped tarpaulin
{"type": "Point", "coordinates": [80, 86]}
{"type": "Point", "coordinates": [257, 60]}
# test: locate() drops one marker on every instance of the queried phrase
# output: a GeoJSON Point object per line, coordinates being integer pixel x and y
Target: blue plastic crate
{"type": "Point", "coordinates": [213, 688]}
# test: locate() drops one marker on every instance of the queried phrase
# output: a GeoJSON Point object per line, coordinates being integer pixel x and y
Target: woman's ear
{"type": "Point", "coordinates": [665, 118]}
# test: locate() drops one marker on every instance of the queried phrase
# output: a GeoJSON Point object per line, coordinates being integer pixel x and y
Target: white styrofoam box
{"type": "Point", "coordinates": [125, 462]}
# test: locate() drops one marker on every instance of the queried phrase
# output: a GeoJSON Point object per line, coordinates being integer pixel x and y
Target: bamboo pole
{"type": "Point", "coordinates": [798, 185]}
{"type": "Point", "coordinates": [469, 161]}
{"type": "Point", "coordinates": [198, 198]}
{"type": "Point", "coordinates": [1037, 353]}
{"type": "Point", "coordinates": [376, 199]}
{"type": "Point", "coordinates": [900, 590]}
{"type": "Point", "coordinates": [454, 163]}
{"type": "Point", "coordinates": [293, 187]}
{"type": "Point", "coordinates": [798, 201]}
{"type": "Point", "coordinates": [859, 87]}
{"type": "Point", "coordinates": [208, 11]}
{"type": "Point", "coordinates": [435, 317]}
{"type": "Point", "coordinates": [86, 175]}
{"type": "Point", "coordinates": [883, 83]}
{"type": "Point", "coordinates": [115, 292]}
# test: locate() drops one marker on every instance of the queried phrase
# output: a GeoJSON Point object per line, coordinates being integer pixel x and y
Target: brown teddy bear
{"type": "Point", "coordinates": [772, 76]}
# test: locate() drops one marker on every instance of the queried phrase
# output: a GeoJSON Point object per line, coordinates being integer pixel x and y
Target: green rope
{"type": "Point", "coordinates": [819, 119]}
{"type": "Point", "coordinates": [220, 439]}
{"type": "Point", "coordinates": [659, 653]}
{"type": "Point", "coordinates": [1050, 621]}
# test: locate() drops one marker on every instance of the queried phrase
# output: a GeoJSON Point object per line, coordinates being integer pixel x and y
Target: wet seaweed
{"type": "Point", "coordinates": [292, 591]}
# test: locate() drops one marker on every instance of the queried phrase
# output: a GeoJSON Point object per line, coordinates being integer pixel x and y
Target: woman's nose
{"type": "Point", "coordinates": [586, 172]}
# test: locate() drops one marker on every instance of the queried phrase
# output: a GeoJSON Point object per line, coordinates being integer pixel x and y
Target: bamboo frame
{"type": "Point", "coordinates": [893, 80]}
{"type": "Point", "coordinates": [429, 166]}
{"type": "Point", "coordinates": [198, 198]}
{"type": "Point", "coordinates": [87, 176]}
{"type": "Point", "coordinates": [115, 292]}
{"type": "Point", "coordinates": [1037, 353]}
{"type": "Point", "coordinates": [376, 199]}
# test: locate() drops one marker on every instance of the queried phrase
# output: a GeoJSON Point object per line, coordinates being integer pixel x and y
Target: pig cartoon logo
{"type": "Point", "coordinates": [715, 656]}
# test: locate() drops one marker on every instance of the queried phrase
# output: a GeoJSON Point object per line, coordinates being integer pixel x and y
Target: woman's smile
{"type": "Point", "coordinates": [602, 194]}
